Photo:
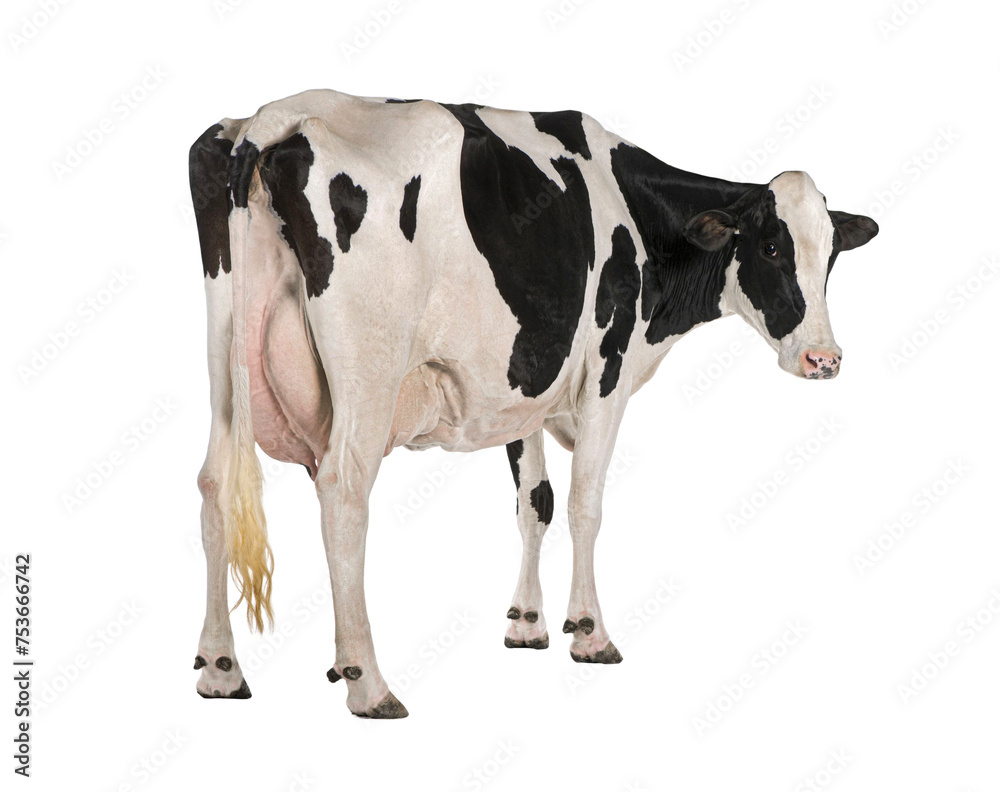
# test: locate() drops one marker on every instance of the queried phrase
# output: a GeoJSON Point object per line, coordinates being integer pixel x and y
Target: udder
{"type": "Point", "coordinates": [290, 399]}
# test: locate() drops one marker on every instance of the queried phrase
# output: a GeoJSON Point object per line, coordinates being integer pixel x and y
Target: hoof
{"type": "Point", "coordinates": [388, 708]}
{"type": "Point", "coordinates": [243, 692]}
{"type": "Point", "coordinates": [532, 643]}
{"type": "Point", "coordinates": [530, 616]}
{"type": "Point", "coordinates": [332, 675]}
{"type": "Point", "coordinates": [513, 613]}
{"type": "Point", "coordinates": [570, 626]}
{"type": "Point", "coordinates": [199, 662]}
{"type": "Point", "coordinates": [587, 625]}
{"type": "Point", "coordinates": [609, 655]}
{"type": "Point", "coordinates": [352, 673]}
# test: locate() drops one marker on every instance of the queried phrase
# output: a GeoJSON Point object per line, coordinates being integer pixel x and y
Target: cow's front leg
{"type": "Point", "coordinates": [598, 429]}
{"type": "Point", "coordinates": [534, 513]}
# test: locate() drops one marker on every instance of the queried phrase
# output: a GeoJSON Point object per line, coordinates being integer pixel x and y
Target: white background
{"type": "Point", "coordinates": [902, 127]}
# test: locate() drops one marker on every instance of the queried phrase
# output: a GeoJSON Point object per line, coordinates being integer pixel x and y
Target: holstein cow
{"type": "Point", "coordinates": [386, 273]}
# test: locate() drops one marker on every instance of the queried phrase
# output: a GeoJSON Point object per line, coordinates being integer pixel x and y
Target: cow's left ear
{"type": "Point", "coordinates": [855, 230]}
{"type": "Point", "coordinates": [710, 230]}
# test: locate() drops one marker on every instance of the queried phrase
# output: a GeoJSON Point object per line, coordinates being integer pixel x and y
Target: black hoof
{"type": "Point", "coordinates": [513, 613]}
{"type": "Point", "coordinates": [332, 675]}
{"type": "Point", "coordinates": [530, 616]}
{"type": "Point", "coordinates": [224, 664]}
{"type": "Point", "coordinates": [352, 673]}
{"type": "Point", "coordinates": [570, 626]}
{"type": "Point", "coordinates": [534, 643]}
{"type": "Point", "coordinates": [243, 692]}
{"type": "Point", "coordinates": [388, 708]}
{"type": "Point", "coordinates": [609, 655]}
{"type": "Point", "coordinates": [200, 662]}
{"type": "Point", "coordinates": [587, 625]}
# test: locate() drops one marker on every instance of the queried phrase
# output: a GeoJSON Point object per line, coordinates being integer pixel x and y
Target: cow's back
{"type": "Point", "coordinates": [474, 235]}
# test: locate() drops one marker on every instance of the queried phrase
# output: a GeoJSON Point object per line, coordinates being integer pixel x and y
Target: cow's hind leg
{"type": "Point", "coordinates": [364, 363]}
{"type": "Point", "coordinates": [221, 676]}
{"type": "Point", "coordinates": [534, 513]}
{"type": "Point", "coordinates": [343, 483]}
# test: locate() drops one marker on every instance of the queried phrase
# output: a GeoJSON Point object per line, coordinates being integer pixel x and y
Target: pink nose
{"type": "Point", "coordinates": [820, 364]}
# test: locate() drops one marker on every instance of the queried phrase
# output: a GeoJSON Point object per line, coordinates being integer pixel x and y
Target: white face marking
{"type": "Point", "coordinates": [802, 208]}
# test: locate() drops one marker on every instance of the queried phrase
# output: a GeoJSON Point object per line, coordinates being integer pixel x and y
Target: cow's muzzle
{"type": "Point", "coordinates": [819, 363]}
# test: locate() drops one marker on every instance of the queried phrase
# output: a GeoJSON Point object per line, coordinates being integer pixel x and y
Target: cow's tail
{"type": "Point", "coordinates": [250, 558]}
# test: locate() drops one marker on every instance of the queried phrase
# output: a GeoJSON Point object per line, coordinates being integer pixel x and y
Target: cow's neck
{"type": "Point", "coordinates": [682, 285]}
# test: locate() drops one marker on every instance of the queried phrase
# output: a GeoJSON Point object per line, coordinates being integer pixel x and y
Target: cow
{"type": "Point", "coordinates": [384, 273]}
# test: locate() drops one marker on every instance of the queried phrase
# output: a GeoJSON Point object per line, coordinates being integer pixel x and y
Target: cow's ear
{"type": "Point", "coordinates": [710, 230]}
{"type": "Point", "coordinates": [855, 230]}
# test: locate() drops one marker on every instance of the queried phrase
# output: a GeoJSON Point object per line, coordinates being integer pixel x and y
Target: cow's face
{"type": "Point", "coordinates": [784, 242]}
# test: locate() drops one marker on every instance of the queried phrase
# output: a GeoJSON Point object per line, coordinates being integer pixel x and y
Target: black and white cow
{"type": "Point", "coordinates": [383, 273]}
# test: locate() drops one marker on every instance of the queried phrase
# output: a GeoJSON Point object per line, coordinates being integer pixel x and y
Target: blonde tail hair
{"type": "Point", "coordinates": [250, 559]}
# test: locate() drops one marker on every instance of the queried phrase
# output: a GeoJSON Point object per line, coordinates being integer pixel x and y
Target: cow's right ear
{"type": "Point", "coordinates": [710, 230]}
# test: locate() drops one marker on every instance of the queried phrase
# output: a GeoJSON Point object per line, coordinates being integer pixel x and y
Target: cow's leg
{"type": "Point", "coordinates": [343, 483]}
{"type": "Point", "coordinates": [221, 676]}
{"type": "Point", "coordinates": [534, 513]}
{"type": "Point", "coordinates": [364, 359]}
{"type": "Point", "coordinates": [594, 446]}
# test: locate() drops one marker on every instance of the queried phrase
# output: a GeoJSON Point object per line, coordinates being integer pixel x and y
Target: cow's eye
{"type": "Point", "coordinates": [769, 249]}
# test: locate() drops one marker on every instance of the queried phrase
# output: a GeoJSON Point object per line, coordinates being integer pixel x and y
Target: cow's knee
{"type": "Point", "coordinates": [209, 483]}
{"type": "Point", "coordinates": [345, 484]}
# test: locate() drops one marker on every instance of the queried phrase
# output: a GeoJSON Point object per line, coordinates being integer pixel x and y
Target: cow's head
{"type": "Point", "coordinates": [784, 242]}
